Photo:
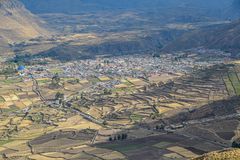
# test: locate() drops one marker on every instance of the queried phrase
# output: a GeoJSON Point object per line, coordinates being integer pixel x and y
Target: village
{"type": "Point", "coordinates": [123, 74]}
{"type": "Point", "coordinates": [108, 100]}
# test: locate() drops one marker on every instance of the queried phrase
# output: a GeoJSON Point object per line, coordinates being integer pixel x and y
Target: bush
{"type": "Point", "coordinates": [236, 144]}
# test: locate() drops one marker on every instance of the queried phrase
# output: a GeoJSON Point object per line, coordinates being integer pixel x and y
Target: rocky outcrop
{"type": "Point", "coordinates": [221, 155]}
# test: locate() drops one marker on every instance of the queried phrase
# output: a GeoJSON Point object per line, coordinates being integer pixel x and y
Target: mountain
{"type": "Point", "coordinates": [214, 8]}
{"type": "Point", "coordinates": [225, 37]}
{"type": "Point", "coordinates": [17, 24]}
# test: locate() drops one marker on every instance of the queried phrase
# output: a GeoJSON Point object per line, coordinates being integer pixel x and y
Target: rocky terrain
{"type": "Point", "coordinates": [17, 24]}
{"type": "Point", "coordinates": [221, 155]}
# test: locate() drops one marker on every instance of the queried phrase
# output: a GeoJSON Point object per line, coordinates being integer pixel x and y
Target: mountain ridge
{"type": "Point", "coordinates": [18, 24]}
{"type": "Point", "coordinates": [77, 6]}
{"type": "Point", "coordinates": [224, 37]}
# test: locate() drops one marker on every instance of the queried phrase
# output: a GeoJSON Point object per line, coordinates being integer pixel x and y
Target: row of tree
{"type": "Point", "coordinates": [118, 137]}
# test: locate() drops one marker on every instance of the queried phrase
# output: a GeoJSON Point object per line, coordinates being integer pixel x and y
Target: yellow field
{"type": "Point", "coordinates": [15, 144]}
{"type": "Point", "coordinates": [2, 149]}
{"type": "Point", "coordinates": [57, 155]}
{"type": "Point", "coordinates": [173, 156]}
{"type": "Point", "coordinates": [163, 109]}
{"type": "Point", "coordinates": [26, 102]}
{"type": "Point", "coordinates": [93, 111]}
{"type": "Point", "coordinates": [3, 106]}
{"type": "Point", "coordinates": [182, 151]}
{"type": "Point", "coordinates": [32, 132]}
{"type": "Point", "coordinates": [7, 98]}
{"type": "Point", "coordinates": [121, 86]}
{"type": "Point", "coordinates": [236, 62]}
{"type": "Point", "coordinates": [16, 120]}
{"type": "Point", "coordinates": [174, 105]}
{"type": "Point", "coordinates": [8, 104]}
{"type": "Point", "coordinates": [25, 123]}
{"type": "Point", "coordinates": [84, 81]}
{"type": "Point", "coordinates": [19, 105]}
{"type": "Point", "coordinates": [104, 78]}
{"type": "Point", "coordinates": [161, 78]}
{"type": "Point", "coordinates": [136, 81]}
{"type": "Point", "coordinates": [13, 97]}
{"type": "Point", "coordinates": [40, 157]}
{"type": "Point", "coordinates": [77, 122]}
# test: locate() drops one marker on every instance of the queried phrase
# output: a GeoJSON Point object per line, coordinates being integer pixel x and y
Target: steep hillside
{"type": "Point", "coordinates": [225, 37]}
{"type": "Point", "coordinates": [233, 154]}
{"type": "Point", "coordinates": [17, 24]}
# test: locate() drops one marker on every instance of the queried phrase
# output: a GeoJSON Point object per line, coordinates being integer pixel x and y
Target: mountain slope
{"type": "Point", "coordinates": [225, 37]}
{"type": "Point", "coordinates": [213, 8]}
{"type": "Point", "coordinates": [17, 23]}
{"type": "Point", "coordinates": [221, 155]}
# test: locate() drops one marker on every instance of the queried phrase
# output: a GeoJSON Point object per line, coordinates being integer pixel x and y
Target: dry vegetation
{"type": "Point", "coordinates": [221, 155]}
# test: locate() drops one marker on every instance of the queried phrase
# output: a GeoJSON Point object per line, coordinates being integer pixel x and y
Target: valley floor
{"type": "Point", "coordinates": [129, 107]}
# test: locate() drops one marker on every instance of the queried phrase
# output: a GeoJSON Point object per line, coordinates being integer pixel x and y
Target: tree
{"type": "Point", "coordinates": [117, 95]}
{"type": "Point", "coordinates": [4, 156]}
{"type": "Point", "coordinates": [59, 96]}
{"type": "Point", "coordinates": [124, 136]}
{"type": "Point", "coordinates": [104, 123]}
{"type": "Point", "coordinates": [236, 144]}
{"type": "Point", "coordinates": [56, 80]}
{"type": "Point", "coordinates": [82, 95]}
{"type": "Point", "coordinates": [144, 88]}
{"type": "Point", "coordinates": [119, 137]}
{"type": "Point", "coordinates": [107, 91]}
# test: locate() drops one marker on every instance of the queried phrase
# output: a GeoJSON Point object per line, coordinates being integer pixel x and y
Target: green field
{"type": "Point", "coordinates": [56, 71]}
{"type": "Point", "coordinates": [229, 86]}
{"type": "Point", "coordinates": [12, 81]}
{"type": "Point", "coordinates": [94, 80]}
{"type": "Point", "coordinates": [136, 118]}
{"type": "Point", "coordinates": [1, 99]}
{"type": "Point", "coordinates": [235, 82]}
{"type": "Point", "coordinates": [129, 89]}
{"type": "Point", "coordinates": [44, 81]}
{"type": "Point", "coordinates": [162, 145]}
{"type": "Point", "coordinates": [2, 142]}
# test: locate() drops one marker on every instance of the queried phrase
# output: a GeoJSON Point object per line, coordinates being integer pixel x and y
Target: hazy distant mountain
{"type": "Point", "coordinates": [225, 37]}
{"type": "Point", "coordinates": [17, 24]}
{"type": "Point", "coordinates": [210, 7]}
{"type": "Point", "coordinates": [234, 10]}
{"type": "Point", "coordinates": [236, 4]}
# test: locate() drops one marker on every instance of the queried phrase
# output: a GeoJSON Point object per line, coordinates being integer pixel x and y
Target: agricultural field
{"type": "Point", "coordinates": [135, 119]}
{"type": "Point", "coordinates": [232, 80]}
{"type": "Point", "coordinates": [15, 93]}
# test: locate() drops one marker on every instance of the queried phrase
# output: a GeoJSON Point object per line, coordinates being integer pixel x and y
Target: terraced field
{"type": "Point", "coordinates": [232, 81]}
{"type": "Point", "coordinates": [175, 119]}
